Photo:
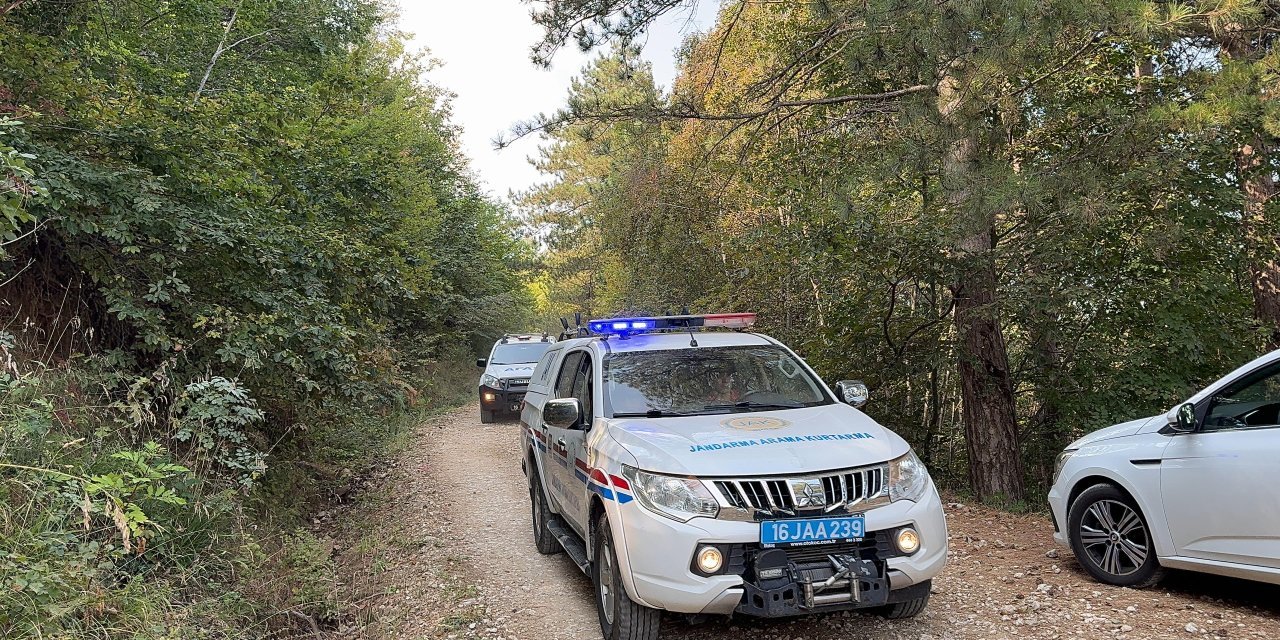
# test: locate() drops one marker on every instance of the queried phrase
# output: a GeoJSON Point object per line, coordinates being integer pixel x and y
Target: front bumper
{"type": "Point", "coordinates": [658, 553]}
{"type": "Point", "coordinates": [502, 400]}
{"type": "Point", "coordinates": [1058, 514]}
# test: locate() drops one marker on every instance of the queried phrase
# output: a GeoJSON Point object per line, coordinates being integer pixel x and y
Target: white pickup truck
{"type": "Point", "coordinates": [697, 471]}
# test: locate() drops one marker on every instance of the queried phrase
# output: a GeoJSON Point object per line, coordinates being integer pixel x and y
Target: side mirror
{"type": "Point", "coordinates": [853, 392]}
{"type": "Point", "coordinates": [562, 413]}
{"type": "Point", "coordinates": [481, 362]}
{"type": "Point", "coordinates": [1185, 421]}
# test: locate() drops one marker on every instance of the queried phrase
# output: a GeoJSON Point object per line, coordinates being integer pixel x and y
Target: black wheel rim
{"type": "Point", "coordinates": [1114, 538]}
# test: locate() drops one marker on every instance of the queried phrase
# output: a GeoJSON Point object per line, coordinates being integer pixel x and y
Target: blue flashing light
{"type": "Point", "coordinates": [627, 326]}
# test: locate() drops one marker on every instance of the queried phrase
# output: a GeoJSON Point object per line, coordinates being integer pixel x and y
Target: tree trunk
{"type": "Point", "coordinates": [1258, 185]}
{"type": "Point", "coordinates": [986, 389]}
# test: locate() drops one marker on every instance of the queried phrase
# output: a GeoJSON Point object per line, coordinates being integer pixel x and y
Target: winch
{"type": "Point", "coordinates": [782, 587]}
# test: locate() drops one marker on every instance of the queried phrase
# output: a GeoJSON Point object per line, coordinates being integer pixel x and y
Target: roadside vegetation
{"type": "Point", "coordinates": [1017, 221]}
{"type": "Point", "coordinates": [239, 254]}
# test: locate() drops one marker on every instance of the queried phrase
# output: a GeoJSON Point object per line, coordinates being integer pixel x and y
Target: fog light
{"type": "Point", "coordinates": [489, 397]}
{"type": "Point", "coordinates": [908, 541]}
{"type": "Point", "coordinates": [709, 560]}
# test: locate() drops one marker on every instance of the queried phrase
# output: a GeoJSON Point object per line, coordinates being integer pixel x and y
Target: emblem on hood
{"type": "Point", "coordinates": [754, 423]}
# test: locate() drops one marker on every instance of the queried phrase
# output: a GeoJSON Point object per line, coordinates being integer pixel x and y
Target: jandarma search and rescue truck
{"type": "Point", "coordinates": [689, 465]}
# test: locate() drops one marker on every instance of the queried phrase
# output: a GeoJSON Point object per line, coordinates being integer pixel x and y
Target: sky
{"type": "Point", "coordinates": [483, 49]}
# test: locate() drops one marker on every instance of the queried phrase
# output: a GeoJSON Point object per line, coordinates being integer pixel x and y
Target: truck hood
{"type": "Point", "coordinates": [811, 439]}
{"type": "Point", "coordinates": [511, 370]}
{"type": "Point", "coordinates": [1114, 431]}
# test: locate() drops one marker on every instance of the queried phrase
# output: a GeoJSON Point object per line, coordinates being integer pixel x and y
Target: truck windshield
{"type": "Point", "coordinates": [708, 381]}
{"type": "Point", "coordinates": [518, 352]}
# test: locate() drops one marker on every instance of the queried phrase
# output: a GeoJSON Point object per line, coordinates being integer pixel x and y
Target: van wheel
{"type": "Point", "coordinates": [1110, 538]}
{"type": "Point", "coordinates": [542, 537]}
{"type": "Point", "coordinates": [910, 608]}
{"type": "Point", "coordinates": [620, 617]}
{"type": "Point", "coordinates": [486, 417]}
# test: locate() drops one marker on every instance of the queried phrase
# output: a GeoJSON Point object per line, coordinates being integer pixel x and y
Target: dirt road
{"type": "Point", "coordinates": [441, 548]}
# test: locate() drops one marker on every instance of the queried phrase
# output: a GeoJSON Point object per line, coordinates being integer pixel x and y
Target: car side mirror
{"type": "Point", "coordinates": [1185, 419]}
{"type": "Point", "coordinates": [562, 413]}
{"type": "Point", "coordinates": [853, 392]}
{"type": "Point", "coordinates": [481, 362]}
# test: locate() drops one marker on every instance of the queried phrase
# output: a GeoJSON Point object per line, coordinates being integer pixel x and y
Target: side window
{"type": "Point", "coordinates": [568, 369]}
{"type": "Point", "coordinates": [583, 386]}
{"type": "Point", "coordinates": [1252, 402]}
{"type": "Point", "coordinates": [542, 372]}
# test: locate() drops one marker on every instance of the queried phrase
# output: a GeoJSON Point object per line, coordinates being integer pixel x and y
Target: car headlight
{"type": "Point", "coordinates": [490, 381]}
{"type": "Point", "coordinates": [675, 497]}
{"type": "Point", "coordinates": [1062, 462]}
{"type": "Point", "coordinates": [908, 479]}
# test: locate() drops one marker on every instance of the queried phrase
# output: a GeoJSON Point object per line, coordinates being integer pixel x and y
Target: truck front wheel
{"type": "Point", "coordinates": [620, 617]}
{"type": "Point", "coordinates": [543, 539]}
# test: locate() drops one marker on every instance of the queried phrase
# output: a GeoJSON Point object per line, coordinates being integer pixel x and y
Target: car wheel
{"type": "Point", "coordinates": [620, 617]}
{"type": "Point", "coordinates": [486, 417]}
{"type": "Point", "coordinates": [542, 536]}
{"type": "Point", "coordinates": [1111, 539]}
{"type": "Point", "coordinates": [910, 608]}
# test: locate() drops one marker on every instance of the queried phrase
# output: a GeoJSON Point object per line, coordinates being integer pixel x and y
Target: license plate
{"type": "Point", "coordinates": [812, 530]}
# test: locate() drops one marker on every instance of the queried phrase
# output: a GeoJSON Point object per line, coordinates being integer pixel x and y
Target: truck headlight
{"type": "Point", "coordinates": [487, 380]}
{"type": "Point", "coordinates": [908, 479]}
{"type": "Point", "coordinates": [678, 498]}
{"type": "Point", "coordinates": [1062, 462]}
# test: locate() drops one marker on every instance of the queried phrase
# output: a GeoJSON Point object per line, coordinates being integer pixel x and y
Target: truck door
{"type": "Point", "coordinates": [574, 443]}
{"type": "Point", "coordinates": [559, 466]}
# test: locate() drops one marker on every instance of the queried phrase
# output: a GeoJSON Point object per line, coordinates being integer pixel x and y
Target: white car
{"type": "Point", "coordinates": [1197, 488]}
{"type": "Point", "coordinates": [506, 373]}
{"type": "Point", "coordinates": [712, 472]}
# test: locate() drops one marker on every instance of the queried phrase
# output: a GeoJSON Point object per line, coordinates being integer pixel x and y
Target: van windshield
{"type": "Point", "coordinates": [708, 380]}
{"type": "Point", "coordinates": [518, 352]}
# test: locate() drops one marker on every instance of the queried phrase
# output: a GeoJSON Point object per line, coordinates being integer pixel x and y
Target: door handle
{"type": "Point", "coordinates": [560, 441]}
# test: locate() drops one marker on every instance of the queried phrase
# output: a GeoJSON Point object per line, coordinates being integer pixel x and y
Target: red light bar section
{"type": "Point", "coordinates": [729, 320]}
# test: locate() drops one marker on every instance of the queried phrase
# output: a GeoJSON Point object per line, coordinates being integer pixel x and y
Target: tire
{"type": "Point", "coordinates": [542, 538]}
{"type": "Point", "coordinates": [620, 617]}
{"type": "Point", "coordinates": [1111, 539]}
{"type": "Point", "coordinates": [910, 608]}
{"type": "Point", "coordinates": [486, 417]}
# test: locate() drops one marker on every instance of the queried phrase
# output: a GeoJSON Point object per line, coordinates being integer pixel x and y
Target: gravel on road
{"type": "Point", "coordinates": [442, 548]}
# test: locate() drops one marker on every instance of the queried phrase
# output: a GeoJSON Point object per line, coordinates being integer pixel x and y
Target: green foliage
{"type": "Point", "coordinates": [16, 185]}
{"type": "Point", "coordinates": [1112, 197]}
{"type": "Point", "coordinates": [237, 241]}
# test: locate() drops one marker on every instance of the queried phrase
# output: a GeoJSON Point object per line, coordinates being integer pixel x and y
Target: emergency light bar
{"type": "Point", "coordinates": [628, 326]}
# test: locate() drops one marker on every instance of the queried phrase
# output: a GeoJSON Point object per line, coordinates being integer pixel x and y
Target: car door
{"type": "Point", "coordinates": [573, 442]}
{"type": "Point", "coordinates": [1220, 484]}
{"type": "Point", "coordinates": [560, 468]}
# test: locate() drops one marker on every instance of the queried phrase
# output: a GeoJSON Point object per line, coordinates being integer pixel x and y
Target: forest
{"type": "Point", "coordinates": [241, 251]}
{"type": "Point", "coordinates": [1018, 221]}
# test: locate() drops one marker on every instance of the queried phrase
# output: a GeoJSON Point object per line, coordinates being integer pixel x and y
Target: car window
{"type": "Point", "coordinates": [518, 352]}
{"type": "Point", "coordinates": [542, 372]}
{"type": "Point", "coordinates": [568, 370]}
{"type": "Point", "coordinates": [709, 381]}
{"type": "Point", "coordinates": [1253, 401]}
{"type": "Point", "coordinates": [583, 387]}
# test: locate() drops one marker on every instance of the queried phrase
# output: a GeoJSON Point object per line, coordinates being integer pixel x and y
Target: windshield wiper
{"type": "Point", "coordinates": [652, 413]}
{"type": "Point", "coordinates": [747, 406]}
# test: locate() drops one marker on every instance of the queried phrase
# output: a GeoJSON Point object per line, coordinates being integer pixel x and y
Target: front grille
{"type": "Point", "coordinates": [771, 497]}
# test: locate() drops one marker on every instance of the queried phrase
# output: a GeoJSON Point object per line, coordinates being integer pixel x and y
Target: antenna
{"type": "Point", "coordinates": [684, 311]}
{"type": "Point", "coordinates": [564, 323]}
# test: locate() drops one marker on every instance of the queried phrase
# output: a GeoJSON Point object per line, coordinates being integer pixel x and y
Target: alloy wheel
{"type": "Point", "coordinates": [1114, 537]}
